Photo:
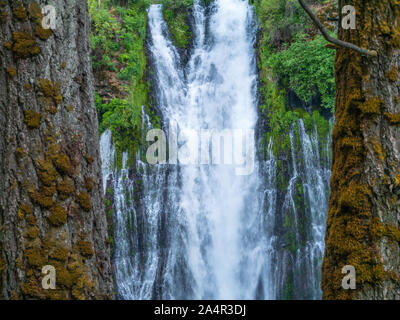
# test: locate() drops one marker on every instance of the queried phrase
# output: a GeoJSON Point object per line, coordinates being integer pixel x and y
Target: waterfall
{"type": "Point", "coordinates": [299, 219]}
{"type": "Point", "coordinates": [200, 230]}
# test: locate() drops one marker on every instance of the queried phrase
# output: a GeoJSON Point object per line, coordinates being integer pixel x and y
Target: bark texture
{"type": "Point", "coordinates": [51, 197]}
{"type": "Point", "coordinates": [364, 214]}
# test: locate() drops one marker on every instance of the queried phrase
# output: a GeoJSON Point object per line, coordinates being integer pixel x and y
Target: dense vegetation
{"type": "Point", "coordinates": [292, 57]}
{"type": "Point", "coordinates": [118, 44]}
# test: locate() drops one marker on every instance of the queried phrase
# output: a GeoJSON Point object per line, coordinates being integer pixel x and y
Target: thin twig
{"type": "Point", "coordinates": [333, 40]}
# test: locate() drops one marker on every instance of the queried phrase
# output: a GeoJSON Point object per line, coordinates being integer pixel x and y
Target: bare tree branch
{"type": "Point", "coordinates": [333, 40]}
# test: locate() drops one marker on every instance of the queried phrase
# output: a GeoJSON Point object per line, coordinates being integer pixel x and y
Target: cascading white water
{"type": "Point", "coordinates": [202, 231]}
{"type": "Point", "coordinates": [219, 94]}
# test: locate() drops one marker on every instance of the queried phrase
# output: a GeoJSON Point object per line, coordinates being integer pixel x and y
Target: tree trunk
{"type": "Point", "coordinates": [51, 197]}
{"type": "Point", "coordinates": [364, 215]}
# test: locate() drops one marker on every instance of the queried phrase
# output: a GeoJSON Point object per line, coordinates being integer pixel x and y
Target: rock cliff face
{"type": "Point", "coordinates": [51, 200]}
{"type": "Point", "coordinates": [363, 223]}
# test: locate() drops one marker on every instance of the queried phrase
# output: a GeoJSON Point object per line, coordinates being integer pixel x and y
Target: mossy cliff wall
{"type": "Point", "coordinates": [51, 200]}
{"type": "Point", "coordinates": [363, 222]}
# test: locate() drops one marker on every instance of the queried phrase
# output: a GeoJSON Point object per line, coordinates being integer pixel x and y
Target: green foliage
{"type": "Point", "coordinates": [105, 30]}
{"type": "Point", "coordinates": [289, 59]}
{"type": "Point", "coordinates": [124, 121]}
{"type": "Point", "coordinates": [307, 66]}
{"type": "Point", "coordinates": [176, 15]}
{"type": "Point", "coordinates": [279, 19]}
{"type": "Point", "coordinates": [118, 37]}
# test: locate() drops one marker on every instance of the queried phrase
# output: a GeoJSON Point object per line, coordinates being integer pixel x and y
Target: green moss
{"type": "Point", "coordinates": [393, 74]}
{"type": "Point", "coordinates": [62, 162]}
{"type": "Point", "coordinates": [65, 188]}
{"type": "Point", "coordinates": [378, 148]}
{"type": "Point", "coordinates": [42, 33]}
{"type": "Point", "coordinates": [58, 216]}
{"type": "Point", "coordinates": [11, 72]}
{"type": "Point", "coordinates": [176, 16]}
{"type": "Point", "coordinates": [20, 153]}
{"type": "Point", "coordinates": [35, 12]}
{"type": "Point", "coordinates": [24, 45]}
{"type": "Point", "coordinates": [84, 201]}
{"type": "Point", "coordinates": [30, 219]}
{"type": "Point", "coordinates": [372, 106]}
{"type": "Point", "coordinates": [89, 184]}
{"type": "Point", "coordinates": [47, 173]}
{"type": "Point", "coordinates": [394, 119]}
{"type": "Point", "coordinates": [32, 233]}
{"type": "Point", "coordinates": [85, 248]}
{"type": "Point", "coordinates": [355, 199]}
{"type": "Point", "coordinates": [20, 12]}
{"type": "Point", "coordinates": [35, 257]}
{"type": "Point", "coordinates": [46, 87]}
{"type": "Point", "coordinates": [8, 45]}
{"type": "Point", "coordinates": [43, 201]}
{"type": "Point", "coordinates": [24, 210]}
{"type": "Point", "coordinates": [51, 91]}
{"type": "Point", "coordinates": [31, 288]}
{"type": "Point", "coordinates": [32, 119]}
{"type": "Point", "coordinates": [60, 253]}
{"type": "Point", "coordinates": [288, 290]}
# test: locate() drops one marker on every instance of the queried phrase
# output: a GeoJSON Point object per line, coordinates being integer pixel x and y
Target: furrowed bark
{"type": "Point", "coordinates": [51, 198]}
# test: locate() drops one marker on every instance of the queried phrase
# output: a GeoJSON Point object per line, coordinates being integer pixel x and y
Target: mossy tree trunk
{"type": "Point", "coordinates": [51, 197]}
{"type": "Point", "coordinates": [364, 214]}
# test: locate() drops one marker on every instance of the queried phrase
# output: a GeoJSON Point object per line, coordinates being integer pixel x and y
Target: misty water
{"type": "Point", "coordinates": [204, 231]}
